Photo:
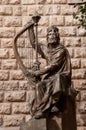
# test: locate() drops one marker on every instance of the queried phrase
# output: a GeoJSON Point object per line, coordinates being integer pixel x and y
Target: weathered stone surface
{"type": "Point", "coordinates": [78, 74]}
{"type": "Point", "coordinates": [17, 11]}
{"type": "Point", "coordinates": [83, 63]}
{"type": "Point", "coordinates": [24, 85]}
{"type": "Point", "coordinates": [6, 43]}
{"type": "Point", "coordinates": [4, 53]}
{"type": "Point", "coordinates": [81, 120]}
{"type": "Point", "coordinates": [57, 19]}
{"type": "Point", "coordinates": [9, 64]}
{"type": "Point", "coordinates": [5, 10]}
{"type": "Point", "coordinates": [13, 120]}
{"type": "Point", "coordinates": [14, 2]}
{"type": "Point", "coordinates": [72, 42]}
{"type": "Point", "coordinates": [76, 63]}
{"type": "Point", "coordinates": [68, 31]}
{"type": "Point", "coordinates": [13, 21]}
{"type": "Point", "coordinates": [8, 86]}
{"type": "Point", "coordinates": [16, 75]}
{"type": "Point", "coordinates": [34, 124]}
{"type": "Point", "coordinates": [68, 10]}
{"type": "Point", "coordinates": [25, 2]}
{"type": "Point", "coordinates": [5, 108]}
{"type": "Point", "coordinates": [81, 107]}
{"type": "Point", "coordinates": [15, 96]}
{"type": "Point", "coordinates": [75, 1]}
{"type": "Point", "coordinates": [60, 1]}
{"type": "Point", "coordinates": [4, 75]}
{"type": "Point", "coordinates": [49, 9]}
{"type": "Point", "coordinates": [79, 84]}
{"type": "Point", "coordinates": [6, 32]}
{"type": "Point", "coordinates": [44, 21]}
{"type": "Point", "coordinates": [81, 32]}
{"type": "Point", "coordinates": [20, 108]}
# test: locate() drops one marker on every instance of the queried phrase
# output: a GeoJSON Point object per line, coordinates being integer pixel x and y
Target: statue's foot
{"type": "Point", "coordinates": [38, 115]}
{"type": "Point", "coordinates": [54, 109]}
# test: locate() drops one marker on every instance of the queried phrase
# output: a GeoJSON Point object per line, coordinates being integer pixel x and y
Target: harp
{"type": "Point", "coordinates": [26, 53]}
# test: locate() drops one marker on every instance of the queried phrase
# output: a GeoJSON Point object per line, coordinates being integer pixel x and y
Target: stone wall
{"type": "Point", "coordinates": [14, 88]}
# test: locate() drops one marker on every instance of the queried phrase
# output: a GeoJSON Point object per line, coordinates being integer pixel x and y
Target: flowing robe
{"type": "Point", "coordinates": [56, 77]}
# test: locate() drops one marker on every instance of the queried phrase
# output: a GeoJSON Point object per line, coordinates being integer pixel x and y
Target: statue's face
{"type": "Point", "coordinates": [52, 36]}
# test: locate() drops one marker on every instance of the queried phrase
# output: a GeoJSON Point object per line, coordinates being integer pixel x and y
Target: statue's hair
{"type": "Point", "coordinates": [52, 27]}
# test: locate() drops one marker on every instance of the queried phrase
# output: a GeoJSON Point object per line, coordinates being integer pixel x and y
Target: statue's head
{"type": "Point", "coordinates": [53, 35]}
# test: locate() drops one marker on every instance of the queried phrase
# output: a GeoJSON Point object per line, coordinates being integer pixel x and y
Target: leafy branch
{"type": "Point", "coordinates": [81, 17]}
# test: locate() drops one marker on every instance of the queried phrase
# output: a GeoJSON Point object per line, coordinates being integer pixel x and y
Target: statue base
{"type": "Point", "coordinates": [34, 124]}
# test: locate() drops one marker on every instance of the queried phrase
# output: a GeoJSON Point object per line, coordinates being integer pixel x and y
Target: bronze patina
{"type": "Point", "coordinates": [53, 82]}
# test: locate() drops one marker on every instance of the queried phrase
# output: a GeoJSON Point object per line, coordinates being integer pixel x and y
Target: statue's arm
{"type": "Point", "coordinates": [53, 66]}
{"type": "Point", "coordinates": [32, 41]}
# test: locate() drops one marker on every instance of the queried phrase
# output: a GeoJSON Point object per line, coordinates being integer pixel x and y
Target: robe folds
{"type": "Point", "coordinates": [56, 79]}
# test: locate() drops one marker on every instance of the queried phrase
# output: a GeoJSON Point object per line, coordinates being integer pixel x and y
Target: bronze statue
{"type": "Point", "coordinates": [54, 80]}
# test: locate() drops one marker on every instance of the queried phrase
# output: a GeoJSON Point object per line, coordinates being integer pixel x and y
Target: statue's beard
{"type": "Point", "coordinates": [52, 40]}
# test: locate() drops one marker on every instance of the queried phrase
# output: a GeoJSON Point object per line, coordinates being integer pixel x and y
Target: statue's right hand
{"type": "Point", "coordinates": [30, 74]}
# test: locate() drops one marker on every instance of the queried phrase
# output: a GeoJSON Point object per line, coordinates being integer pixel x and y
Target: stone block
{"type": "Point", "coordinates": [13, 120]}
{"type": "Point", "coordinates": [83, 41]}
{"type": "Point", "coordinates": [34, 125]}
{"type": "Point", "coordinates": [83, 63]}
{"type": "Point", "coordinates": [9, 64]}
{"type": "Point", "coordinates": [81, 120]}
{"type": "Point", "coordinates": [20, 108]}
{"type": "Point", "coordinates": [13, 21]}
{"type": "Point", "coordinates": [12, 85]}
{"type": "Point", "coordinates": [79, 84]}
{"type": "Point", "coordinates": [17, 11]}
{"type": "Point", "coordinates": [57, 20]}
{"type": "Point", "coordinates": [7, 32]}
{"type": "Point", "coordinates": [77, 53]}
{"type": "Point", "coordinates": [14, 2]}
{"type": "Point", "coordinates": [44, 21]}
{"type": "Point", "coordinates": [24, 85]}
{"type": "Point", "coordinates": [5, 10]}
{"type": "Point", "coordinates": [78, 74]}
{"type": "Point", "coordinates": [6, 43]}
{"type": "Point", "coordinates": [16, 75]}
{"type": "Point", "coordinates": [81, 32]}
{"type": "Point", "coordinates": [4, 75]}
{"type": "Point", "coordinates": [68, 10]}
{"type": "Point", "coordinates": [60, 1]}
{"type": "Point", "coordinates": [49, 9]}
{"type": "Point", "coordinates": [72, 42]}
{"type": "Point", "coordinates": [15, 96]}
{"type": "Point", "coordinates": [75, 1]}
{"type": "Point", "coordinates": [4, 53]}
{"type": "Point", "coordinates": [76, 63]}
{"type": "Point", "coordinates": [67, 31]}
{"type": "Point", "coordinates": [26, 2]}
{"type": "Point", "coordinates": [5, 108]}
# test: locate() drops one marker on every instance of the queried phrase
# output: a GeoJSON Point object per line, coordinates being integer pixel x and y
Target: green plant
{"type": "Point", "coordinates": [81, 16]}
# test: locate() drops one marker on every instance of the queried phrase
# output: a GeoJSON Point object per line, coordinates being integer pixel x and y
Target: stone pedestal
{"type": "Point", "coordinates": [39, 124]}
